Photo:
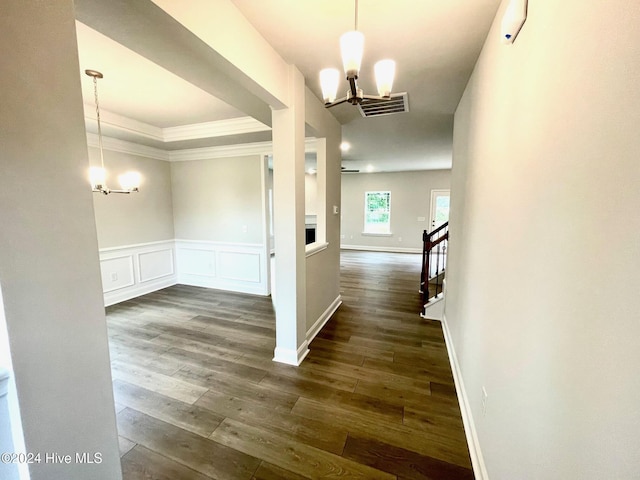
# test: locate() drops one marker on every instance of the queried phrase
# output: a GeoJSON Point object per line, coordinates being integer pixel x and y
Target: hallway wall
{"type": "Point", "coordinates": [542, 285]}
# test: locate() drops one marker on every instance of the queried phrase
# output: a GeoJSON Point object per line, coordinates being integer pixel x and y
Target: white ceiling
{"type": "Point", "coordinates": [434, 43]}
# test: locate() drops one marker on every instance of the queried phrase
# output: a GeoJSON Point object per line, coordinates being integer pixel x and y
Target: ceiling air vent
{"type": "Point", "coordinates": [398, 103]}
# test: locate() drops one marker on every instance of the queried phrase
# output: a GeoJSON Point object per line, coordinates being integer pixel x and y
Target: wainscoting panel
{"type": "Point", "coordinates": [133, 270]}
{"type": "Point", "coordinates": [224, 266]}
{"type": "Point", "coordinates": [240, 266]}
{"type": "Point", "coordinates": [117, 273]}
{"type": "Point", "coordinates": [154, 265]}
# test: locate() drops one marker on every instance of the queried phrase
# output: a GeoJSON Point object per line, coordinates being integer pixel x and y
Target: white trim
{"type": "Point", "coordinates": [368, 248]}
{"type": "Point", "coordinates": [475, 452]}
{"type": "Point", "coordinates": [218, 128]}
{"type": "Point", "coordinates": [122, 123]}
{"type": "Point", "coordinates": [122, 295]}
{"type": "Point", "coordinates": [220, 244]}
{"type": "Point", "coordinates": [222, 151]}
{"type": "Point", "coordinates": [324, 318]}
{"type": "Point", "coordinates": [122, 146]}
{"type": "Point", "coordinates": [135, 245]}
{"type": "Point", "coordinates": [291, 357]}
{"type": "Point", "coordinates": [377, 234]}
{"type": "Point", "coordinates": [314, 248]}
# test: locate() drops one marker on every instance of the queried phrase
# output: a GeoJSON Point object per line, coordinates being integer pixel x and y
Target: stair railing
{"type": "Point", "coordinates": [434, 262]}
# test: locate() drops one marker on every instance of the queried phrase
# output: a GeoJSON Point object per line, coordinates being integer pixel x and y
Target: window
{"type": "Point", "coordinates": [377, 212]}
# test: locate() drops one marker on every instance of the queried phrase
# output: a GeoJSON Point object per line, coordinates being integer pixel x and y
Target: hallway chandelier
{"type": "Point", "coordinates": [352, 48]}
{"type": "Point", "coordinates": [129, 181]}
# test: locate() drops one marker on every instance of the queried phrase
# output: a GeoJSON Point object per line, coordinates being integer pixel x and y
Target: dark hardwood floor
{"type": "Point", "coordinates": [198, 396]}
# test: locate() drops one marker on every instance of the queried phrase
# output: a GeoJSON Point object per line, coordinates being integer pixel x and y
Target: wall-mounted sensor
{"type": "Point", "coordinates": [514, 17]}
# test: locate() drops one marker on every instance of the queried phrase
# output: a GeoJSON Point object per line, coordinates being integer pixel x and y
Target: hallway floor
{"type": "Point", "coordinates": [198, 396]}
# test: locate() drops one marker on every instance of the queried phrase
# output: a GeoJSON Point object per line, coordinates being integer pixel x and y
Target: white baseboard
{"type": "Point", "coordinates": [291, 357]}
{"type": "Point", "coordinates": [324, 318]}
{"type": "Point", "coordinates": [477, 460]}
{"type": "Point", "coordinates": [381, 249]}
{"type": "Point", "coordinates": [132, 270]}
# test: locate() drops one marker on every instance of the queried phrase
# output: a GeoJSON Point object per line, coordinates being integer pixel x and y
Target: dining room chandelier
{"type": "Point", "coordinates": [129, 181]}
{"type": "Point", "coordinates": [352, 48]}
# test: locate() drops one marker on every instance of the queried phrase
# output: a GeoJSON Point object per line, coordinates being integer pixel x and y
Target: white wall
{"type": "Point", "coordinates": [410, 199]}
{"type": "Point", "coordinates": [143, 217]}
{"type": "Point", "coordinates": [218, 200]}
{"type": "Point", "coordinates": [48, 246]}
{"type": "Point", "coordinates": [543, 280]}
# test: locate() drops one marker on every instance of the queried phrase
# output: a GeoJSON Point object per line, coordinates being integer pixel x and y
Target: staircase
{"type": "Point", "coordinates": [434, 264]}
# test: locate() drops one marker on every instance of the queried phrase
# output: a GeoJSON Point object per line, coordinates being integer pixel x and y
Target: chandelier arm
{"type": "Point", "coordinates": [336, 102]}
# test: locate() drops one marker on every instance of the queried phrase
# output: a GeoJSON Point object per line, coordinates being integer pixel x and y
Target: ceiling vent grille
{"type": "Point", "coordinates": [398, 103]}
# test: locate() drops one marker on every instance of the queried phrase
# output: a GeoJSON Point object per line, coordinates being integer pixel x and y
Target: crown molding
{"type": "Point", "coordinates": [223, 151]}
{"type": "Point", "coordinates": [123, 124]}
{"type": "Point", "coordinates": [219, 128]}
{"type": "Point", "coordinates": [117, 145]}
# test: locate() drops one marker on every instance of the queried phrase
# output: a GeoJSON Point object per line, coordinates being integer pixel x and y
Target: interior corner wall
{"type": "Point", "coordinates": [410, 201]}
{"type": "Point", "coordinates": [543, 279]}
{"type": "Point", "coordinates": [218, 217]}
{"type": "Point", "coordinates": [48, 247]}
{"type": "Point", "coordinates": [143, 217]}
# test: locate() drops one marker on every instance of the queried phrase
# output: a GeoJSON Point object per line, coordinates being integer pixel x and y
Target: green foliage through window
{"type": "Point", "coordinates": [377, 212]}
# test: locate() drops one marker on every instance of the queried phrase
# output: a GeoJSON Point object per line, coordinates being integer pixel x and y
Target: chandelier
{"type": "Point", "coordinates": [352, 48]}
{"type": "Point", "coordinates": [130, 181]}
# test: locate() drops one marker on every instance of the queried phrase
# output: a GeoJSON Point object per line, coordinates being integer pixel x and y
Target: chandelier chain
{"type": "Point", "coordinates": [95, 94]}
{"type": "Point", "coordinates": [356, 22]}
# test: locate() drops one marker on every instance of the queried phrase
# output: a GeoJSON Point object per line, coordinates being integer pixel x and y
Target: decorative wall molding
{"type": "Point", "coordinates": [477, 460]}
{"type": "Point", "coordinates": [133, 270]}
{"type": "Point", "coordinates": [225, 266]}
{"type": "Point", "coordinates": [381, 249]}
{"type": "Point", "coordinates": [324, 318]}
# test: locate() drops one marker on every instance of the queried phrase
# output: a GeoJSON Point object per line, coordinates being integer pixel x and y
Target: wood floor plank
{"type": "Point", "coordinates": [124, 445]}
{"type": "Point", "coordinates": [232, 385]}
{"type": "Point", "coordinates": [189, 417]}
{"type": "Point", "coordinates": [401, 462]}
{"type": "Point", "coordinates": [307, 431]}
{"type": "Point", "coordinates": [200, 454]}
{"type": "Point", "coordinates": [163, 384]}
{"type": "Point", "coordinates": [143, 464]}
{"type": "Point", "coordinates": [428, 443]}
{"type": "Point", "coordinates": [291, 455]}
{"type": "Point", "coordinates": [267, 471]}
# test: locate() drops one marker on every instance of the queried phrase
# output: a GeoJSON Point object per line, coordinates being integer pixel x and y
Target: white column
{"type": "Point", "coordinates": [288, 199]}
